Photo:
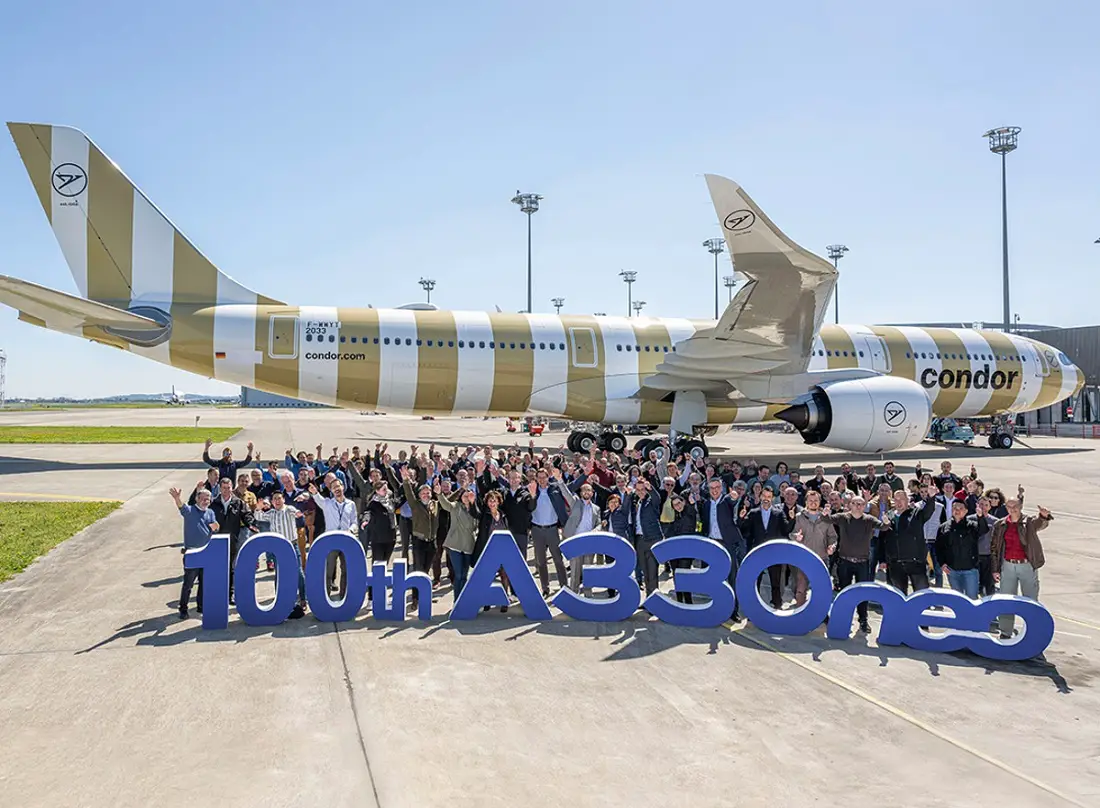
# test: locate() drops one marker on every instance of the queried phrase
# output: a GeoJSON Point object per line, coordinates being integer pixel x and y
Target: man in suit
{"type": "Point", "coordinates": [549, 514]}
{"type": "Point", "coordinates": [719, 518]}
{"type": "Point", "coordinates": [647, 504]}
{"type": "Point", "coordinates": [763, 524]}
{"type": "Point", "coordinates": [584, 517]}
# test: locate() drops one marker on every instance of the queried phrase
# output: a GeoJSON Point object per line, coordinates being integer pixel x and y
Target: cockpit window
{"type": "Point", "coordinates": [1064, 359]}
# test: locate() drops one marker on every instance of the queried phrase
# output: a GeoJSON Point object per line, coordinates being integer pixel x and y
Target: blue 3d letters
{"type": "Point", "coordinates": [959, 623]}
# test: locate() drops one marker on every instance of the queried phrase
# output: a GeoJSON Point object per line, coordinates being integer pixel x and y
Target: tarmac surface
{"type": "Point", "coordinates": [109, 699]}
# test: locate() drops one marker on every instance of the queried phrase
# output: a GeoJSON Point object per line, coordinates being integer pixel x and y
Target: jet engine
{"type": "Point", "coordinates": [874, 415]}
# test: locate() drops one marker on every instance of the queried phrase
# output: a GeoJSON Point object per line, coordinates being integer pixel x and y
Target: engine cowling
{"type": "Point", "coordinates": [873, 415]}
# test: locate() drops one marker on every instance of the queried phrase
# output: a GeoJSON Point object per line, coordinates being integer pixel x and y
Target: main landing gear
{"type": "Point", "coordinates": [693, 447]}
{"type": "Point", "coordinates": [1000, 437]}
{"type": "Point", "coordinates": [582, 441]}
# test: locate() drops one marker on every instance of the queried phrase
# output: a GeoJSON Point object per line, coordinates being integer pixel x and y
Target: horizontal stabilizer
{"type": "Point", "coordinates": [62, 312]}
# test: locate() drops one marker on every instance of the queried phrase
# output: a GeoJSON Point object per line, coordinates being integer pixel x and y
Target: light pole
{"type": "Point", "coordinates": [715, 246]}
{"type": "Point", "coordinates": [1016, 323]}
{"type": "Point", "coordinates": [558, 303]}
{"type": "Point", "coordinates": [638, 306]}
{"type": "Point", "coordinates": [1002, 141]}
{"type": "Point", "coordinates": [529, 204]}
{"type": "Point", "coordinates": [428, 284]}
{"type": "Point", "coordinates": [629, 276]}
{"type": "Point", "coordinates": [836, 252]}
{"type": "Point", "coordinates": [730, 281]}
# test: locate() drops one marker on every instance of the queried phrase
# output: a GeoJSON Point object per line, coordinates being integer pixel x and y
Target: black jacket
{"type": "Point", "coordinates": [683, 524]}
{"type": "Point", "coordinates": [517, 508]}
{"type": "Point", "coordinates": [779, 527]}
{"type": "Point", "coordinates": [957, 542]}
{"type": "Point", "coordinates": [231, 516]}
{"type": "Point", "coordinates": [904, 537]}
{"type": "Point", "coordinates": [381, 522]}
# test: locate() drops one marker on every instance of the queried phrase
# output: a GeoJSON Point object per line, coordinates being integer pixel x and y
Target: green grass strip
{"type": "Point", "coordinates": [31, 529]}
{"type": "Point", "coordinates": [115, 434]}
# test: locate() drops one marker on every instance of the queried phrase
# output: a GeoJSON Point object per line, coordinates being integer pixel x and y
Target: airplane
{"type": "Point", "coordinates": [146, 289]}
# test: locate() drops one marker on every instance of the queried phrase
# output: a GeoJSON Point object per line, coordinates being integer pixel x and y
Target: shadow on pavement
{"type": "Point", "coordinates": [30, 465]}
{"type": "Point", "coordinates": [640, 636]}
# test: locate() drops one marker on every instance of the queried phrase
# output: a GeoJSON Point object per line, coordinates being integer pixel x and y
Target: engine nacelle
{"type": "Point", "coordinates": [874, 415]}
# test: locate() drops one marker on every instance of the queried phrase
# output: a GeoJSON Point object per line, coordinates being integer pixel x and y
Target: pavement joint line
{"type": "Point", "coordinates": [355, 714]}
{"type": "Point", "coordinates": [899, 713]}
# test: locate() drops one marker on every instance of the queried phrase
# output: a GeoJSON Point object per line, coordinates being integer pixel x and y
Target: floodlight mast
{"type": "Point", "coordinates": [1002, 141]}
{"type": "Point", "coordinates": [529, 204]}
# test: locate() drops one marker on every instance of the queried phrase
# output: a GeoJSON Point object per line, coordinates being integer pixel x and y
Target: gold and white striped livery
{"type": "Point", "coordinates": [145, 288]}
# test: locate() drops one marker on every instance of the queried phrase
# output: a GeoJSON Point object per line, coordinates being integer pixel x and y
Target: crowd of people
{"type": "Point", "coordinates": [438, 507]}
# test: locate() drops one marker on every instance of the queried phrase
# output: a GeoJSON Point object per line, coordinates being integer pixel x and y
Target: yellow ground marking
{"type": "Point", "coordinates": [904, 716]}
{"type": "Point", "coordinates": [1074, 620]}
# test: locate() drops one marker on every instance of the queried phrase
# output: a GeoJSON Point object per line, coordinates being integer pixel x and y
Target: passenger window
{"type": "Point", "coordinates": [481, 344]}
{"type": "Point", "coordinates": [618, 347]}
{"type": "Point", "coordinates": [512, 345]}
{"type": "Point", "coordinates": [386, 340]}
{"type": "Point", "coordinates": [343, 338]}
{"type": "Point", "coordinates": [450, 343]}
{"type": "Point", "coordinates": [408, 341]}
{"type": "Point", "coordinates": [418, 342]}
{"type": "Point", "coordinates": [309, 338]}
{"type": "Point", "coordinates": [462, 343]}
{"type": "Point", "coordinates": [354, 339]}
{"type": "Point", "coordinates": [523, 346]}
{"type": "Point", "coordinates": [542, 346]}
{"type": "Point", "coordinates": [553, 346]}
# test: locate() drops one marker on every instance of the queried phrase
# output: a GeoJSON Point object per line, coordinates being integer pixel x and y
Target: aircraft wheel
{"type": "Point", "coordinates": [643, 446]}
{"type": "Point", "coordinates": [662, 452]}
{"type": "Point", "coordinates": [695, 449]}
{"type": "Point", "coordinates": [991, 439]}
{"type": "Point", "coordinates": [571, 442]}
{"type": "Point", "coordinates": [613, 442]}
{"type": "Point", "coordinates": [1003, 441]}
{"type": "Point", "coordinates": [584, 442]}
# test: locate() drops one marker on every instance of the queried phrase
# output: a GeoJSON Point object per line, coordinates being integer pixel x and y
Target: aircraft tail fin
{"type": "Point", "coordinates": [121, 250]}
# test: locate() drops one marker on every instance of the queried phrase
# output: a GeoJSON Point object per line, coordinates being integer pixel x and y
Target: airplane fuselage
{"type": "Point", "coordinates": [588, 368]}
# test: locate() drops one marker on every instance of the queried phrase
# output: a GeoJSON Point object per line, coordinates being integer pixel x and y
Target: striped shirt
{"type": "Point", "coordinates": [282, 521]}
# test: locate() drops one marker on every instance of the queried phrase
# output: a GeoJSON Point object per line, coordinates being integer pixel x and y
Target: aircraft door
{"type": "Point", "coordinates": [879, 353]}
{"type": "Point", "coordinates": [1042, 360]}
{"type": "Point", "coordinates": [282, 340]}
{"type": "Point", "coordinates": [582, 341]}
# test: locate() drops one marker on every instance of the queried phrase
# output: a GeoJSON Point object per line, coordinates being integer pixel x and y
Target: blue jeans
{"type": "Point", "coordinates": [937, 570]}
{"type": "Point", "coordinates": [965, 581]}
{"type": "Point", "coordinates": [301, 574]}
{"type": "Point", "coordinates": [460, 563]}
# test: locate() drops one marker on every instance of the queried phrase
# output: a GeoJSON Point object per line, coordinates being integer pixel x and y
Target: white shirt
{"type": "Point", "coordinates": [338, 515]}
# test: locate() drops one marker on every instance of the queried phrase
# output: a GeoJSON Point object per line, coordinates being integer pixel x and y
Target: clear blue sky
{"type": "Point", "coordinates": [336, 152]}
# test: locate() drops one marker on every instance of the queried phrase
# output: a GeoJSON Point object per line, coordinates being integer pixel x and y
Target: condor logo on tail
{"type": "Point", "coordinates": [979, 380]}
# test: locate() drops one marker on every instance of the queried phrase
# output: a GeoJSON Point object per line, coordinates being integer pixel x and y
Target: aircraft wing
{"type": "Point", "coordinates": [63, 312]}
{"type": "Point", "coordinates": [769, 326]}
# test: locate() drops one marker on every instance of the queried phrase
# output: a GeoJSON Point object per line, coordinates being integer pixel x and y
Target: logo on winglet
{"type": "Point", "coordinates": [69, 179]}
{"type": "Point", "coordinates": [739, 221]}
{"type": "Point", "coordinates": [894, 413]}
